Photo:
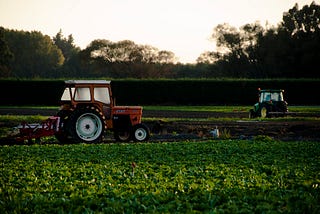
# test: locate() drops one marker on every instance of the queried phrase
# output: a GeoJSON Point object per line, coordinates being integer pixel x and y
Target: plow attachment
{"type": "Point", "coordinates": [30, 131]}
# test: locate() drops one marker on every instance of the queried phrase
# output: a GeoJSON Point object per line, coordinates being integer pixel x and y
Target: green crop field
{"type": "Point", "coordinates": [217, 176]}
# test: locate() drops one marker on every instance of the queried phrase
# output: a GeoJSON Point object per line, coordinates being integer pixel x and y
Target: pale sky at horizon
{"type": "Point", "coordinates": [181, 26]}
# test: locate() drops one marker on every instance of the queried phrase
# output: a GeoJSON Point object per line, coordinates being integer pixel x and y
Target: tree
{"type": "Point", "coordinates": [292, 50]}
{"type": "Point", "coordinates": [209, 57]}
{"type": "Point", "coordinates": [71, 66]}
{"type": "Point", "coordinates": [227, 38]}
{"type": "Point", "coordinates": [235, 49]}
{"type": "Point", "coordinates": [66, 45]}
{"type": "Point", "coordinates": [126, 59]}
{"type": "Point", "coordinates": [303, 28]}
{"type": "Point", "coordinates": [302, 22]}
{"type": "Point", "coordinates": [165, 57]}
{"type": "Point", "coordinates": [35, 54]}
{"type": "Point", "coordinates": [6, 56]}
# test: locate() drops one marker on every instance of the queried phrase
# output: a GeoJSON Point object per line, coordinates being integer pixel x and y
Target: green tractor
{"type": "Point", "coordinates": [271, 103]}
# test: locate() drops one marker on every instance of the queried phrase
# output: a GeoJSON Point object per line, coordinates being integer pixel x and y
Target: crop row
{"type": "Point", "coordinates": [214, 176]}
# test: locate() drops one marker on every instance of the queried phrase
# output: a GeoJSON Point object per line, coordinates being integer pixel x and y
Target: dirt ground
{"type": "Point", "coordinates": [290, 129]}
{"type": "Point", "coordinates": [166, 129]}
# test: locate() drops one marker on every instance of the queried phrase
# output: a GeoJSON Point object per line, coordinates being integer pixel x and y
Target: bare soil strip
{"type": "Point", "coordinates": [182, 130]}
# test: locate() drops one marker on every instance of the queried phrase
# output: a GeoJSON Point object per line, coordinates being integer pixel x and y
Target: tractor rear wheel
{"type": "Point", "coordinates": [62, 135]}
{"type": "Point", "coordinates": [86, 125]}
{"type": "Point", "coordinates": [263, 112]}
{"type": "Point", "coordinates": [141, 133]}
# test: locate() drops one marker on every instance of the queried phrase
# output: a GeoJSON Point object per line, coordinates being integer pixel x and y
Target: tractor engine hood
{"type": "Point", "coordinates": [127, 110]}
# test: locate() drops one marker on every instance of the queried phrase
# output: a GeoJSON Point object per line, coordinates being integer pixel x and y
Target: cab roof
{"type": "Point", "coordinates": [73, 82]}
{"type": "Point", "coordinates": [271, 90]}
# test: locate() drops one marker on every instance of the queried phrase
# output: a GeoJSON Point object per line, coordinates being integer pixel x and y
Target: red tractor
{"type": "Point", "coordinates": [87, 111]}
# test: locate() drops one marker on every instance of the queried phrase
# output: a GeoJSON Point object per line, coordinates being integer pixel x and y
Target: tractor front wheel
{"type": "Point", "coordinates": [141, 133]}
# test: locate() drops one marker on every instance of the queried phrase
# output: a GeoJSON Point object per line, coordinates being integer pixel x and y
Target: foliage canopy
{"type": "Point", "coordinates": [289, 50]}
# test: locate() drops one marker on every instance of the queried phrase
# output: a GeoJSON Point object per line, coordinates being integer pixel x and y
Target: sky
{"type": "Point", "coordinates": [181, 26]}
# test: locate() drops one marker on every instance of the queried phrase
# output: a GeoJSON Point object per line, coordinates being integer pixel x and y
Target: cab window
{"type": "Point", "coordinates": [66, 94]}
{"type": "Point", "coordinates": [102, 95]}
{"type": "Point", "coordinates": [82, 94]}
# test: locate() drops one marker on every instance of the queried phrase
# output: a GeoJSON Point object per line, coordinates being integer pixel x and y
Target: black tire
{"type": "Point", "coordinates": [140, 133]}
{"type": "Point", "coordinates": [122, 135]}
{"type": "Point", "coordinates": [86, 126]}
{"type": "Point", "coordinates": [252, 114]}
{"type": "Point", "coordinates": [264, 112]}
{"type": "Point", "coordinates": [62, 135]}
{"type": "Point", "coordinates": [282, 107]}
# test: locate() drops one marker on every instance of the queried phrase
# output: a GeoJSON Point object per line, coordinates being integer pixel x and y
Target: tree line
{"type": "Point", "coordinates": [289, 50]}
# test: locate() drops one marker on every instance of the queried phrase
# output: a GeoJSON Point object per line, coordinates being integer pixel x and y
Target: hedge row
{"type": "Point", "coordinates": [212, 92]}
{"type": "Point", "coordinates": [166, 92]}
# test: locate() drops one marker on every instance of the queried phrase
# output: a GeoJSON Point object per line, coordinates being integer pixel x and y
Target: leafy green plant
{"type": "Point", "coordinates": [263, 138]}
{"type": "Point", "coordinates": [225, 133]}
{"type": "Point", "coordinates": [186, 177]}
{"type": "Point", "coordinates": [12, 120]}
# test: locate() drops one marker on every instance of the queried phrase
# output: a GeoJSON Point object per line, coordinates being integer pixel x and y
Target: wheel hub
{"type": "Point", "coordinates": [140, 134]}
{"type": "Point", "coordinates": [88, 127]}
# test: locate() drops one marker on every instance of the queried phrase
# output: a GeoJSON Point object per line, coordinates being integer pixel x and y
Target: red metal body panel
{"type": "Point", "coordinates": [135, 112]}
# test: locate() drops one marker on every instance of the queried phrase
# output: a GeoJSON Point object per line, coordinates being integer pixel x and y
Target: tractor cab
{"type": "Point", "coordinates": [271, 96]}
